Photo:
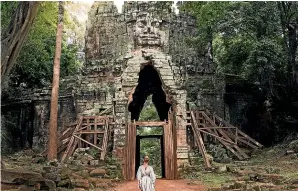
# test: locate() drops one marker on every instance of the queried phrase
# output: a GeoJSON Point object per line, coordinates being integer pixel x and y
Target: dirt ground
{"type": "Point", "coordinates": [163, 185]}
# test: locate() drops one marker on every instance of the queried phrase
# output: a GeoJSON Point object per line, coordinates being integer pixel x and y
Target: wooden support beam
{"type": "Point", "coordinates": [109, 109]}
{"type": "Point", "coordinates": [202, 128]}
{"type": "Point", "coordinates": [222, 132]}
{"type": "Point", "coordinates": [211, 134]}
{"type": "Point", "coordinates": [249, 138]}
{"type": "Point", "coordinates": [240, 132]}
{"type": "Point", "coordinates": [100, 117]}
{"type": "Point", "coordinates": [71, 141]}
{"type": "Point", "coordinates": [104, 142]}
{"type": "Point", "coordinates": [73, 148]}
{"type": "Point", "coordinates": [200, 141]}
{"type": "Point", "coordinates": [89, 132]}
{"type": "Point", "coordinates": [170, 156]}
{"type": "Point", "coordinates": [87, 142]}
{"type": "Point", "coordinates": [231, 149]}
{"type": "Point", "coordinates": [150, 123]}
{"type": "Point", "coordinates": [130, 151]}
{"type": "Point", "coordinates": [95, 134]}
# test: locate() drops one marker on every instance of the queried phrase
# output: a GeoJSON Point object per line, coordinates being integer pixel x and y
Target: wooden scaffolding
{"type": "Point", "coordinates": [94, 131]}
{"type": "Point", "coordinates": [205, 125]}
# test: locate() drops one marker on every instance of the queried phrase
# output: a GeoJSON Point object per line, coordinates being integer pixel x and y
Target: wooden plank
{"type": "Point", "coordinates": [130, 151]}
{"type": "Point", "coordinates": [150, 123]}
{"type": "Point", "coordinates": [169, 151]}
{"type": "Point", "coordinates": [65, 131]}
{"type": "Point", "coordinates": [174, 137]}
{"type": "Point", "coordinates": [62, 147]}
{"type": "Point", "coordinates": [87, 142]}
{"type": "Point", "coordinates": [241, 140]}
{"type": "Point", "coordinates": [231, 149]}
{"type": "Point", "coordinates": [100, 117]}
{"type": "Point", "coordinates": [217, 127]}
{"type": "Point", "coordinates": [167, 154]}
{"type": "Point", "coordinates": [95, 134]}
{"type": "Point", "coordinates": [98, 123]}
{"type": "Point", "coordinates": [247, 143]}
{"type": "Point", "coordinates": [220, 140]}
{"type": "Point", "coordinates": [211, 134]}
{"type": "Point", "coordinates": [240, 132]}
{"type": "Point", "coordinates": [249, 138]}
{"type": "Point", "coordinates": [90, 132]}
{"type": "Point", "coordinates": [60, 139]}
{"type": "Point", "coordinates": [105, 111]}
{"type": "Point", "coordinates": [240, 152]}
{"type": "Point", "coordinates": [88, 128]}
{"type": "Point", "coordinates": [71, 142]}
{"type": "Point", "coordinates": [234, 145]}
{"type": "Point", "coordinates": [104, 142]}
{"type": "Point", "coordinates": [200, 141]}
{"type": "Point", "coordinates": [80, 129]}
{"type": "Point", "coordinates": [133, 150]}
{"type": "Point", "coordinates": [73, 148]}
{"type": "Point", "coordinates": [65, 140]}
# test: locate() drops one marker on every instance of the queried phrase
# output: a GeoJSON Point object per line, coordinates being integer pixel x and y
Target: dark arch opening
{"type": "Point", "coordinates": [149, 83]}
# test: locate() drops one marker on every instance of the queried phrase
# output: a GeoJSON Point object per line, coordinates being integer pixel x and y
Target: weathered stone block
{"type": "Point", "coordinates": [94, 162]}
{"type": "Point", "coordinates": [99, 172]}
{"type": "Point", "coordinates": [11, 176]}
{"type": "Point", "coordinates": [81, 183]}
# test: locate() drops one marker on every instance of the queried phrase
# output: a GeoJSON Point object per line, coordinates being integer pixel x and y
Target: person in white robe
{"type": "Point", "coordinates": [146, 177]}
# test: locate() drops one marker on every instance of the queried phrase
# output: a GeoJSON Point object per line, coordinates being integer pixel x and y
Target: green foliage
{"type": "Point", "coordinates": [264, 62]}
{"type": "Point", "coordinates": [255, 41]}
{"type": "Point", "coordinates": [7, 10]}
{"type": "Point", "coordinates": [208, 15]}
{"type": "Point", "coordinates": [34, 66]}
{"type": "Point", "coordinates": [151, 147]}
{"type": "Point", "coordinates": [246, 37]}
{"type": "Point", "coordinates": [249, 44]}
{"type": "Point", "coordinates": [149, 112]}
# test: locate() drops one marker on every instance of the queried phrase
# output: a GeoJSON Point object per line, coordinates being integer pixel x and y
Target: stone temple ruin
{"type": "Point", "coordinates": [145, 50]}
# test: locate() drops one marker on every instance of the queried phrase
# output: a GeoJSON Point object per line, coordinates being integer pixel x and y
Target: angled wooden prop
{"type": "Point", "coordinates": [226, 134]}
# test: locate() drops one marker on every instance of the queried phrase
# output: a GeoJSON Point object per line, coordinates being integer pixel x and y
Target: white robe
{"type": "Point", "coordinates": [146, 178]}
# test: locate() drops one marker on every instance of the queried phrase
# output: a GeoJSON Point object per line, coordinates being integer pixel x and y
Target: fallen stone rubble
{"type": "Point", "coordinates": [81, 172]}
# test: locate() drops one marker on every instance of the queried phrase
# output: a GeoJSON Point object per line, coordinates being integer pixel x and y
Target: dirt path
{"type": "Point", "coordinates": [163, 185]}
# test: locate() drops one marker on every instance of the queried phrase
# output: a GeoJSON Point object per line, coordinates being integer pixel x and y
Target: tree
{"type": "Point", "coordinates": [289, 21]}
{"type": "Point", "coordinates": [34, 65]}
{"type": "Point", "coordinates": [15, 35]}
{"type": "Point", "coordinates": [208, 15]}
{"type": "Point", "coordinates": [53, 135]}
{"type": "Point", "coordinates": [256, 41]}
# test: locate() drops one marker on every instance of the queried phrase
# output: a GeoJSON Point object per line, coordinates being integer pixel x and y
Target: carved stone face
{"type": "Point", "coordinates": [147, 31]}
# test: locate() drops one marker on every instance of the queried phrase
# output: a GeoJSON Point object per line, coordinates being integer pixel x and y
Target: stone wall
{"type": "Point", "coordinates": [118, 45]}
{"type": "Point", "coordinates": [35, 105]}
{"type": "Point", "coordinates": [207, 92]}
{"type": "Point", "coordinates": [125, 52]}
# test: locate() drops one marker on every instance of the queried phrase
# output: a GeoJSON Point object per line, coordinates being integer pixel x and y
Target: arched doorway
{"type": "Point", "coordinates": [150, 83]}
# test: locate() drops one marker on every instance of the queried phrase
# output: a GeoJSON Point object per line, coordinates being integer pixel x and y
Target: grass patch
{"type": "Point", "coordinates": [215, 179]}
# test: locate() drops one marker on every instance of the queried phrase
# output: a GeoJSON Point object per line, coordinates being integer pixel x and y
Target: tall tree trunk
{"type": "Point", "coordinates": [289, 24]}
{"type": "Point", "coordinates": [53, 135]}
{"type": "Point", "coordinates": [292, 33]}
{"type": "Point", "coordinates": [13, 38]}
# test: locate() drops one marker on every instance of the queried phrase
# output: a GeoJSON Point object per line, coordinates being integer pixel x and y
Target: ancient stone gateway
{"type": "Point", "coordinates": [135, 49]}
{"type": "Point", "coordinates": [145, 50]}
